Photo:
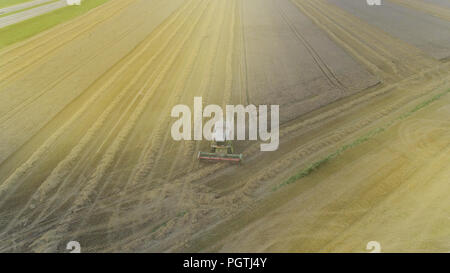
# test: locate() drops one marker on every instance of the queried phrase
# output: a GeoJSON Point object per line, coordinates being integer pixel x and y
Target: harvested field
{"type": "Point", "coordinates": [86, 152]}
{"type": "Point", "coordinates": [374, 192]}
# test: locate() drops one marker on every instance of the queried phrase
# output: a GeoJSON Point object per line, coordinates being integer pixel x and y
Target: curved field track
{"type": "Point", "coordinates": [86, 152]}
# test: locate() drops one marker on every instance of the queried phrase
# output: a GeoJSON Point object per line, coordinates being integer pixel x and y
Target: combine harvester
{"type": "Point", "coordinates": [221, 145]}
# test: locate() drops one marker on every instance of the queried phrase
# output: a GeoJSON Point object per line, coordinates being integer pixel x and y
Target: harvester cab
{"type": "Point", "coordinates": [221, 145]}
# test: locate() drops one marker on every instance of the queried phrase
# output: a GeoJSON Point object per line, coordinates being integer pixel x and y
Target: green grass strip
{"type": "Point", "coordinates": [28, 28]}
{"type": "Point", "coordinates": [315, 165]}
{"type": "Point", "coordinates": [17, 11]}
{"type": "Point", "coordinates": [7, 3]}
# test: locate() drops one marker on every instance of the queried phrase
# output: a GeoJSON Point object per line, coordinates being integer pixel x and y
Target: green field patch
{"type": "Point", "coordinates": [28, 28]}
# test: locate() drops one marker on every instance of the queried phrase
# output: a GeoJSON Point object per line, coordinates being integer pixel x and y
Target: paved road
{"type": "Point", "coordinates": [23, 6]}
{"type": "Point", "coordinates": [30, 13]}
